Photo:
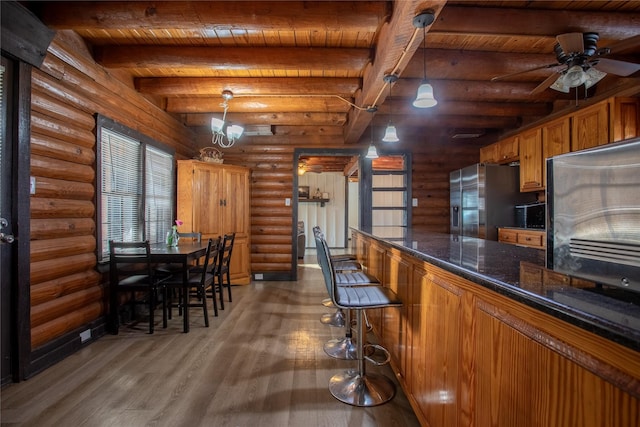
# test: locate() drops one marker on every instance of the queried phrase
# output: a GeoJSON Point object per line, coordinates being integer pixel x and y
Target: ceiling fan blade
{"type": "Point", "coordinates": [571, 42]}
{"type": "Point", "coordinates": [498, 78]}
{"type": "Point", "coordinates": [623, 45]}
{"type": "Point", "coordinates": [619, 68]}
{"type": "Point", "coordinates": [545, 84]}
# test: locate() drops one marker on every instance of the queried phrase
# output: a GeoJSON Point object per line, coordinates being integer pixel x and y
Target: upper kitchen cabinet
{"type": "Point", "coordinates": [531, 160]}
{"type": "Point", "coordinates": [590, 126]}
{"type": "Point", "coordinates": [626, 119]}
{"type": "Point", "coordinates": [502, 152]}
{"type": "Point", "coordinates": [214, 199]}
{"type": "Point", "coordinates": [556, 140]}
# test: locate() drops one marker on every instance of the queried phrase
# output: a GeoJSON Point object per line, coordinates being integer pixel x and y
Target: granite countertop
{"type": "Point", "coordinates": [613, 313]}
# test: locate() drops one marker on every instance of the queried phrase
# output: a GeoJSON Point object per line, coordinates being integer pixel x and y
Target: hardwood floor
{"type": "Point", "coordinates": [260, 363]}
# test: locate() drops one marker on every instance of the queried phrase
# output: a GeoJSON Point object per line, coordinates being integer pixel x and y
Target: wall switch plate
{"type": "Point", "coordinates": [414, 202]}
{"type": "Point", "coordinates": [287, 202]}
{"type": "Point", "coordinates": [258, 276]}
{"type": "Point", "coordinates": [32, 185]}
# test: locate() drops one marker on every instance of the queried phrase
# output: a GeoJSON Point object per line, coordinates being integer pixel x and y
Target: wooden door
{"type": "Point", "coordinates": [590, 127]}
{"type": "Point", "coordinates": [531, 160]}
{"type": "Point", "coordinates": [556, 139]}
{"type": "Point", "coordinates": [236, 218]}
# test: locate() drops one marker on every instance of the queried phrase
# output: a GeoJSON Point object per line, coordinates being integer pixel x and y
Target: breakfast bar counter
{"type": "Point", "coordinates": [488, 336]}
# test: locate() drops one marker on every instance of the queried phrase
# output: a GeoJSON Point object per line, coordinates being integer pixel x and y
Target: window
{"type": "Point", "coordinates": [136, 188]}
{"type": "Point", "coordinates": [389, 196]}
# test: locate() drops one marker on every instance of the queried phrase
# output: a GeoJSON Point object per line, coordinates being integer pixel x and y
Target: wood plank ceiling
{"type": "Point", "coordinates": [312, 68]}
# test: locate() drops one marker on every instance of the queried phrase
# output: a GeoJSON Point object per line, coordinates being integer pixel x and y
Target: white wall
{"type": "Point", "coordinates": [332, 217]}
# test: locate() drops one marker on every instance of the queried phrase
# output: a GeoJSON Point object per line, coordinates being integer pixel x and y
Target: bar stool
{"type": "Point", "coordinates": [357, 387]}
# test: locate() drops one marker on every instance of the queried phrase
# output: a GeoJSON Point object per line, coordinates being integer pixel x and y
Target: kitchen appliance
{"type": "Point", "coordinates": [483, 198]}
{"type": "Point", "coordinates": [593, 199]}
{"type": "Point", "coordinates": [531, 215]}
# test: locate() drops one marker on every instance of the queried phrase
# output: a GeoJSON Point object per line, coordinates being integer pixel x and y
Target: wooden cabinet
{"type": "Point", "coordinates": [469, 356]}
{"type": "Point", "coordinates": [531, 160]}
{"type": "Point", "coordinates": [518, 236]}
{"type": "Point", "coordinates": [625, 119]}
{"type": "Point", "coordinates": [489, 154]}
{"type": "Point", "coordinates": [590, 127]}
{"type": "Point", "coordinates": [502, 152]}
{"type": "Point", "coordinates": [214, 199]}
{"type": "Point", "coordinates": [556, 140]}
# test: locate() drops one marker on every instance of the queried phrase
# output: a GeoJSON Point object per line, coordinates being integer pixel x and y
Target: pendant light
{"type": "Point", "coordinates": [390, 134]}
{"type": "Point", "coordinates": [372, 153]}
{"type": "Point", "coordinates": [424, 97]}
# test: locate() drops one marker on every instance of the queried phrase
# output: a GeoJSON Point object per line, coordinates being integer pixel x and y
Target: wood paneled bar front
{"type": "Point", "coordinates": [487, 338]}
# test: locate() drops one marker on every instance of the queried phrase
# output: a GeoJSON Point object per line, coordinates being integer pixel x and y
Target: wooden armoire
{"type": "Point", "coordinates": [214, 199]}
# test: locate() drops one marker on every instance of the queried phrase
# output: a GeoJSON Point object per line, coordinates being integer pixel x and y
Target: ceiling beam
{"type": "Point", "coordinates": [322, 104]}
{"type": "Point", "coordinates": [216, 15]}
{"type": "Point", "coordinates": [279, 118]}
{"type": "Point", "coordinates": [240, 58]}
{"type": "Point", "coordinates": [174, 86]}
{"type": "Point", "coordinates": [460, 19]}
{"type": "Point", "coordinates": [466, 108]}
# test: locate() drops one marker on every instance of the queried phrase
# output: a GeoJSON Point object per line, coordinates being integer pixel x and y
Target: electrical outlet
{"type": "Point", "coordinates": [85, 335]}
{"type": "Point", "coordinates": [258, 276]}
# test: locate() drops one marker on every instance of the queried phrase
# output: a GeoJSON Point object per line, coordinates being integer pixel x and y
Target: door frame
{"type": "Point", "coordinates": [298, 152]}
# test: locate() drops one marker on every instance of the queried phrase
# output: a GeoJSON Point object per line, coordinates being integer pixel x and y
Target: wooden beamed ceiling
{"type": "Point", "coordinates": [308, 70]}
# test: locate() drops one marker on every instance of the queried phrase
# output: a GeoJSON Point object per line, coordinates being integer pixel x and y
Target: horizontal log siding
{"type": "Point", "coordinates": [67, 292]}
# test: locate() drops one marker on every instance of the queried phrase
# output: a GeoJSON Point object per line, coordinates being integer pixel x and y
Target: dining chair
{"type": "Point", "coordinates": [130, 271]}
{"type": "Point", "coordinates": [199, 279]}
{"type": "Point", "coordinates": [222, 270]}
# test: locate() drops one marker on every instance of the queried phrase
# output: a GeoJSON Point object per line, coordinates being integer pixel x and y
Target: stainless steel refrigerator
{"type": "Point", "coordinates": [483, 198]}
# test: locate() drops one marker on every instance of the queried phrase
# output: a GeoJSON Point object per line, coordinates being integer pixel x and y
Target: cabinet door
{"type": "Point", "coordinates": [556, 139]}
{"type": "Point", "coordinates": [508, 150]}
{"type": "Point", "coordinates": [590, 127]}
{"type": "Point", "coordinates": [207, 196]}
{"type": "Point", "coordinates": [236, 218]}
{"type": "Point", "coordinates": [625, 118]}
{"type": "Point", "coordinates": [531, 160]}
{"type": "Point", "coordinates": [489, 154]}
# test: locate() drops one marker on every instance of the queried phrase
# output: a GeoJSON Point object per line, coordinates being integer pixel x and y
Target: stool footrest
{"type": "Point", "coordinates": [374, 348]}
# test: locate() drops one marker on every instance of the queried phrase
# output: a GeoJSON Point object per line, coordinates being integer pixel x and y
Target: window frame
{"type": "Point", "coordinates": [145, 142]}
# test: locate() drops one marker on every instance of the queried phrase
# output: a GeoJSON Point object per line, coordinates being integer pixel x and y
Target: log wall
{"type": "Point", "coordinates": [66, 290]}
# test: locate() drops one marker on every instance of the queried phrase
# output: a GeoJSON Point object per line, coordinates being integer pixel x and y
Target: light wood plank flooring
{"type": "Point", "coordinates": [260, 363]}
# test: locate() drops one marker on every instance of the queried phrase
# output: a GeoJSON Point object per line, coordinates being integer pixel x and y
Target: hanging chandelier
{"type": "Point", "coordinates": [390, 134]}
{"type": "Point", "coordinates": [225, 135]}
{"type": "Point", "coordinates": [424, 97]}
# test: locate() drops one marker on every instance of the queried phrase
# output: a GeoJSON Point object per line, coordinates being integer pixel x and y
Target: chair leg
{"type": "Point", "coordinates": [356, 387]}
{"type": "Point", "coordinates": [203, 298]}
{"type": "Point", "coordinates": [229, 285]}
{"type": "Point", "coordinates": [220, 290]}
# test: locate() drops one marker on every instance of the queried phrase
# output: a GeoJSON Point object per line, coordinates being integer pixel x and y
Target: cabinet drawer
{"type": "Point", "coordinates": [507, 236]}
{"type": "Point", "coordinates": [530, 239]}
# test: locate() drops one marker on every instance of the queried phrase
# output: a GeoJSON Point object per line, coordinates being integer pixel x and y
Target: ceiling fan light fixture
{"type": "Point", "coordinates": [593, 77]}
{"type": "Point", "coordinates": [425, 98]}
{"type": "Point", "coordinates": [574, 77]}
{"type": "Point", "coordinates": [390, 134]}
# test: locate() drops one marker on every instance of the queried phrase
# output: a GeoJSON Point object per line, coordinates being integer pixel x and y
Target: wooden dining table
{"type": "Point", "coordinates": [185, 253]}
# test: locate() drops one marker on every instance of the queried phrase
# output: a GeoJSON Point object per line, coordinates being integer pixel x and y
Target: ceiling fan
{"type": "Point", "coordinates": [583, 62]}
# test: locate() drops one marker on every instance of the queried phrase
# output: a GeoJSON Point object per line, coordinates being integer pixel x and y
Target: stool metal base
{"type": "Point", "coordinates": [361, 390]}
{"type": "Point", "coordinates": [342, 348]}
{"type": "Point", "coordinates": [333, 319]}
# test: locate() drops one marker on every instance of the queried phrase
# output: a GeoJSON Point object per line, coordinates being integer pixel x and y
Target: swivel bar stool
{"type": "Point", "coordinates": [356, 387]}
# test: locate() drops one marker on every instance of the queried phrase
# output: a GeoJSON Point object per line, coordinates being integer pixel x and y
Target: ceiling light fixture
{"type": "Point", "coordinates": [225, 135]}
{"type": "Point", "coordinates": [424, 97]}
{"type": "Point", "coordinates": [576, 76]}
{"type": "Point", "coordinates": [390, 134]}
{"type": "Point", "coordinates": [372, 153]}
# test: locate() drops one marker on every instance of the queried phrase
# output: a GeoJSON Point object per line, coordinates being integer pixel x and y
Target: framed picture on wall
{"type": "Point", "coordinates": [303, 192]}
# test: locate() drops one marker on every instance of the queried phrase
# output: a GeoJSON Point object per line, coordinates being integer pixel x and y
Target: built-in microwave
{"type": "Point", "coordinates": [532, 215]}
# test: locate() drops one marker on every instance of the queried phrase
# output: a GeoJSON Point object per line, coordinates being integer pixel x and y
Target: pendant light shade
{"type": "Point", "coordinates": [425, 98]}
{"type": "Point", "coordinates": [390, 134]}
{"type": "Point", "coordinates": [372, 153]}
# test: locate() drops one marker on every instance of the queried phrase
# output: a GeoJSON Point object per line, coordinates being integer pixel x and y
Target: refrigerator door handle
{"type": "Point", "coordinates": [455, 217]}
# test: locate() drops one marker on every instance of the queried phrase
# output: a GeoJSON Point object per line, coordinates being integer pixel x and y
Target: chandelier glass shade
{"type": "Point", "coordinates": [372, 152]}
{"type": "Point", "coordinates": [390, 134]}
{"type": "Point", "coordinates": [425, 98]}
{"type": "Point", "coordinates": [576, 76]}
{"type": "Point", "coordinates": [225, 135]}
